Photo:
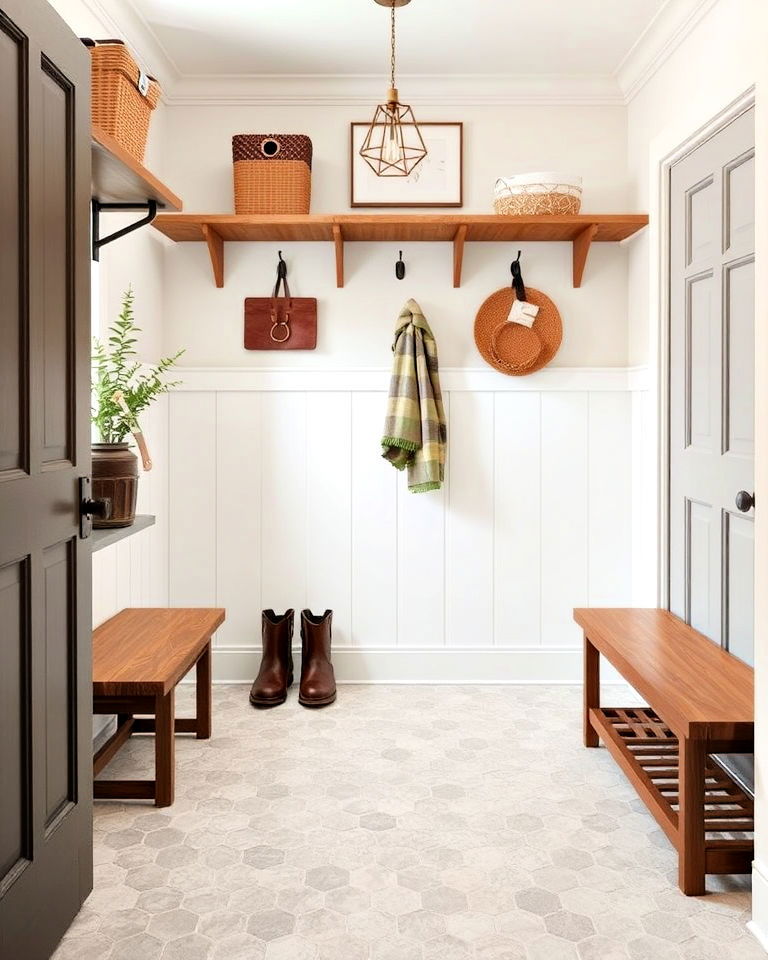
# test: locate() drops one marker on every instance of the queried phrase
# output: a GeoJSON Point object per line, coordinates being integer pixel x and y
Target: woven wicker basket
{"type": "Point", "coordinates": [273, 173]}
{"type": "Point", "coordinates": [537, 193]}
{"type": "Point", "coordinates": [122, 97]}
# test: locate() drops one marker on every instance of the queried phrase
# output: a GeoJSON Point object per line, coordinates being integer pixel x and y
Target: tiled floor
{"type": "Point", "coordinates": [403, 823]}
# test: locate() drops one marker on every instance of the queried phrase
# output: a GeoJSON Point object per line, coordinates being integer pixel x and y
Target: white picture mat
{"type": "Point", "coordinates": [436, 180]}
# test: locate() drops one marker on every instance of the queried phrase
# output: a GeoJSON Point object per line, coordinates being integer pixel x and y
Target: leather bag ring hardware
{"type": "Point", "coordinates": [280, 323]}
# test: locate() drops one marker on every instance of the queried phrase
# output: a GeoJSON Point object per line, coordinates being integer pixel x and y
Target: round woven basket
{"type": "Point", "coordinates": [513, 348]}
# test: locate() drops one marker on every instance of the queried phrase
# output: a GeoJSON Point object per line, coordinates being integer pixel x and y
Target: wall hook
{"type": "Point", "coordinates": [400, 267]}
{"type": "Point", "coordinates": [517, 278]}
{"type": "Point", "coordinates": [282, 266]}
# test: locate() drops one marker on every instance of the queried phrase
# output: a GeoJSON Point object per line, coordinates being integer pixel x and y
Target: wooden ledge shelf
{"type": "Point", "coordinates": [581, 230]}
{"type": "Point", "coordinates": [106, 536]}
{"type": "Point", "coordinates": [118, 177]}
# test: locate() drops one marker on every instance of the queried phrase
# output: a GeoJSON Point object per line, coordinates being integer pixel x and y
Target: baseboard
{"type": "Point", "coordinates": [521, 665]}
{"type": "Point", "coordinates": [758, 925]}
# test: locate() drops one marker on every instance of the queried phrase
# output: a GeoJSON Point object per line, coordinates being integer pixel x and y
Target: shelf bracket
{"type": "Point", "coordinates": [97, 208]}
{"type": "Point", "coordinates": [458, 253]}
{"type": "Point", "coordinates": [215, 245]}
{"type": "Point", "coordinates": [581, 244]}
{"type": "Point", "coordinates": [338, 243]}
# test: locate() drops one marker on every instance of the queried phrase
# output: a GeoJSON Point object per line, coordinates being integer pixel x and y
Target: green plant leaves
{"type": "Point", "coordinates": [117, 371]}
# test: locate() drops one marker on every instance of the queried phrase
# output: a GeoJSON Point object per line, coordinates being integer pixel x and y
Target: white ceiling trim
{"type": "Point", "coordinates": [663, 35]}
{"type": "Point", "coordinates": [346, 90]}
{"type": "Point", "coordinates": [122, 22]}
{"type": "Point", "coordinates": [669, 28]}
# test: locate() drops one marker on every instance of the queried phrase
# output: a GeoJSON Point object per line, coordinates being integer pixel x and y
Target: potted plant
{"type": "Point", "coordinates": [122, 389]}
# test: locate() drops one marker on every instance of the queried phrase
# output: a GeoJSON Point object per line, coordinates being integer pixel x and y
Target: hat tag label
{"type": "Point", "coordinates": [523, 313]}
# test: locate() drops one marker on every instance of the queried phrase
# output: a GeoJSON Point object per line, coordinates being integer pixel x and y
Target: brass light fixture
{"type": "Point", "coordinates": [393, 146]}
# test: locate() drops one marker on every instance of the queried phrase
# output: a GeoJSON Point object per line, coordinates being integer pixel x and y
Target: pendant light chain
{"type": "Point", "coordinates": [393, 145]}
{"type": "Point", "coordinates": [392, 56]}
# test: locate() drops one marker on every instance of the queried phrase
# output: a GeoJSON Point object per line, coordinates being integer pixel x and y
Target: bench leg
{"type": "Point", "coordinates": [203, 694]}
{"type": "Point", "coordinates": [591, 690]}
{"type": "Point", "coordinates": [690, 818]}
{"type": "Point", "coordinates": [165, 759]}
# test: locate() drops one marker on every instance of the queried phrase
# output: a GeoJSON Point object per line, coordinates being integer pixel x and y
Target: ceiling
{"type": "Point", "coordinates": [335, 37]}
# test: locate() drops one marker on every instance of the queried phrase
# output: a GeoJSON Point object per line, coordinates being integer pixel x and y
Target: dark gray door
{"type": "Point", "coordinates": [45, 569]}
{"type": "Point", "coordinates": [712, 345]}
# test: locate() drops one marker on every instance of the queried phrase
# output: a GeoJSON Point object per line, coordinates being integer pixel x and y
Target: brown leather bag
{"type": "Point", "coordinates": [280, 323]}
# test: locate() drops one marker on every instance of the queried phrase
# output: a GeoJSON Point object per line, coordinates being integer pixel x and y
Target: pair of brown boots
{"type": "Point", "coordinates": [318, 683]}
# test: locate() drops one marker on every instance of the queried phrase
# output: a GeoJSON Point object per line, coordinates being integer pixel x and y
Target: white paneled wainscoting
{"type": "Point", "coordinates": [278, 497]}
{"type": "Point", "coordinates": [134, 571]}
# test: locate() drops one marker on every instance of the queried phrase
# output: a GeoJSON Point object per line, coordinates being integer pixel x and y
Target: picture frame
{"type": "Point", "coordinates": [438, 181]}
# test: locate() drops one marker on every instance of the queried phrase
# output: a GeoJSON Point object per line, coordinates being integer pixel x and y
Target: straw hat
{"type": "Point", "coordinates": [513, 348]}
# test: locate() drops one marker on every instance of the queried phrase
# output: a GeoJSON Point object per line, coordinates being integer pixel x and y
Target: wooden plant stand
{"type": "Point", "coordinates": [139, 657]}
{"type": "Point", "coordinates": [705, 697]}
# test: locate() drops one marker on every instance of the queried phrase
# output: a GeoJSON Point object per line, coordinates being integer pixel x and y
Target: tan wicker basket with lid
{"type": "Point", "coordinates": [273, 173]}
{"type": "Point", "coordinates": [122, 96]}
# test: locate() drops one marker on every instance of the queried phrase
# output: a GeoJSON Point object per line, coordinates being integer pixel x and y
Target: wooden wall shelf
{"type": "Point", "coordinates": [581, 230]}
{"type": "Point", "coordinates": [117, 177]}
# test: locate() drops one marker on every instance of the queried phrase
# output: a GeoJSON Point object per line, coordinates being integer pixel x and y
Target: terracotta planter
{"type": "Point", "coordinates": [115, 474]}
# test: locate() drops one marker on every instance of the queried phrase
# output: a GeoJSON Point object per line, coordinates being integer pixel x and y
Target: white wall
{"type": "Point", "coordinates": [715, 64]}
{"type": "Point", "coordinates": [355, 323]}
{"type": "Point", "coordinates": [283, 500]}
{"type": "Point", "coordinates": [293, 503]}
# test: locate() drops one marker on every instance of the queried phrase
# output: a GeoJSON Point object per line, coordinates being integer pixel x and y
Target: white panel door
{"type": "Point", "coordinates": [712, 301]}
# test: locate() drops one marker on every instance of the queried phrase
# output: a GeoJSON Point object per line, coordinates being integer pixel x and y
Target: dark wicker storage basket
{"type": "Point", "coordinates": [122, 97]}
{"type": "Point", "coordinates": [273, 173]}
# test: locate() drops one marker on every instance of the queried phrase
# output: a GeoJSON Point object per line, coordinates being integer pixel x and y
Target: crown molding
{"type": "Point", "coordinates": [367, 90]}
{"type": "Point", "coordinates": [669, 28]}
{"type": "Point", "coordinates": [122, 21]}
{"type": "Point", "coordinates": [675, 21]}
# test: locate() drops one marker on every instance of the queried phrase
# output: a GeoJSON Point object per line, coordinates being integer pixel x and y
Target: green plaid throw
{"type": "Point", "coordinates": [415, 433]}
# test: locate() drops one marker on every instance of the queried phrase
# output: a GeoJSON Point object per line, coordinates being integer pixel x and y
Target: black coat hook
{"type": "Point", "coordinates": [400, 267]}
{"type": "Point", "coordinates": [517, 278]}
{"type": "Point", "coordinates": [282, 266]}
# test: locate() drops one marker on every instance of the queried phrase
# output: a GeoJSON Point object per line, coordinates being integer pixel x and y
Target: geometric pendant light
{"type": "Point", "coordinates": [393, 145]}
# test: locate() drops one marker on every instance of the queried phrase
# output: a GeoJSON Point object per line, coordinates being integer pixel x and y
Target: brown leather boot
{"type": "Point", "coordinates": [270, 687]}
{"type": "Point", "coordinates": [318, 683]}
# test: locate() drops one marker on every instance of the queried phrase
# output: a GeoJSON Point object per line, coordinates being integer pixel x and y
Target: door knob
{"type": "Point", "coordinates": [745, 501]}
{"type": "Point", "coordinates": [90, 507]}
{"type": "Point", "coordinates": [101, 508]}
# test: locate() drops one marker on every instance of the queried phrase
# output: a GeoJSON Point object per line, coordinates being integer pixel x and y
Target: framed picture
{"type": "Point", "coordinates": [437, 181]}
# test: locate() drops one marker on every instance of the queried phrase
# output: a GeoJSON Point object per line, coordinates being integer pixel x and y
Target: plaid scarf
{"type": "Point", "coordinates": [415, 433]}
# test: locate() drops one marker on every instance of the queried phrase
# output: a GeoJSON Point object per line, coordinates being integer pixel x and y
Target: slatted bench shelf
{"type": "Point", "coordinates": [647, 751]}
{"type": "Point", "coordinates": [701, 703]}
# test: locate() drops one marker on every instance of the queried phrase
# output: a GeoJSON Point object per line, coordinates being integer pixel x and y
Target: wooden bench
{"type": "Point", "coordinates": [701, 701]}
{"type": "Point", "coordinates": [139, 656]}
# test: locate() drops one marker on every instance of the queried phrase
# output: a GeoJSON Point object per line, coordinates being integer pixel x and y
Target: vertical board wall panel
{"type": "Point", "coordinates": [158, 535]}
{"type": "Point", "coordinates": [470, 522]}
{"type": "Point", "coordinates": [238, 516]}
{"type": "Point", "coordinates": [192, 500]}
{"type": "Point", "coordinates": [564, 528]}
{"type": "Point", "coordinates": [329, 497]}
{"type": "Point", "coordinates": [122, 553]}
{"type": "Point", "coordinates": [517, 534]}
{"type": "Point", "coordinates": [421, 562]}
{"type": "Point", "coordinates": [610, 476]}
{"type": "Point", "coordinates": [284, 500]}
{"type": "Point", "coordinates": [374, 528]}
